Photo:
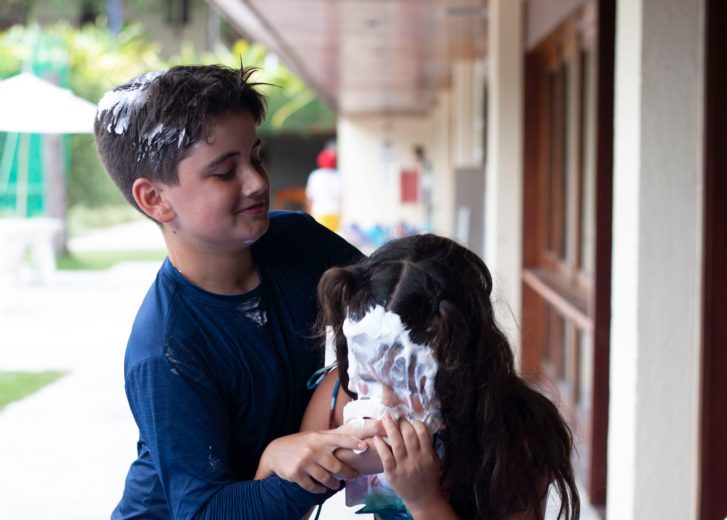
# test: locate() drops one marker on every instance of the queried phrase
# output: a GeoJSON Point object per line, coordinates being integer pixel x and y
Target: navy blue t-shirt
{"type": "Point", "coordinates": [212, 379]}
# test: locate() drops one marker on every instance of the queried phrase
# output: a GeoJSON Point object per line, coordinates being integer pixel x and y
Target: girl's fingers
{"type": "Point", "coordinates": [388, 461]}
{"type": "Point", "coordinates": [425, 440]}
{"type": "Point", "coordinates": [410, 436]}
{"type": "Point", "coordinates": [395, 440]}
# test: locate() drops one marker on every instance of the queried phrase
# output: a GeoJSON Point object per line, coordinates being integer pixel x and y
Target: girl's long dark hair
{"type": "Point", "coordinates": [505, 443]}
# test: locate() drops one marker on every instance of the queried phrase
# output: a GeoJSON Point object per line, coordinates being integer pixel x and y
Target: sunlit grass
{"type": "Point", "coordinates": [17, 385]}
{"type": "Point", "coordinates": [95, 260]}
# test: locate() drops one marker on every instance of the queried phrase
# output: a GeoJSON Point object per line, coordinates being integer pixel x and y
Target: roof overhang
{"type": "Point", "coordinates": [366, 56]}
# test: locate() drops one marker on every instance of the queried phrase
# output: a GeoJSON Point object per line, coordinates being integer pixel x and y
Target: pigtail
{"type": "Point", "coordinates": [335, 290]}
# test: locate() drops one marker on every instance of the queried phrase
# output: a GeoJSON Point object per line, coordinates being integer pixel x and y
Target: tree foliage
{"type": "Point", "coordinates": [96, 60]}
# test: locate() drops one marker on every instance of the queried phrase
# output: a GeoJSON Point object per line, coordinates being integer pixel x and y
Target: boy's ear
{"type": "Point", "coordinates": [148, 195]}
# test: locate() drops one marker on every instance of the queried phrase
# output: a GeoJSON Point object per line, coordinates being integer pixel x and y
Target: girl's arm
{"type": "Point", "coordinates": [317, 413]}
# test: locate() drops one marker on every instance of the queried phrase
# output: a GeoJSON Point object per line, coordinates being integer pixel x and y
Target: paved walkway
{"type": "Point", "coordinates": [64, 450]}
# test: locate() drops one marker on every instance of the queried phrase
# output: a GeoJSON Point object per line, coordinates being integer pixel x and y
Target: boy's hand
{"type": "Point", "coordinates": [411, 465]}
{"type": "Point", "coordinates": [307, 459]}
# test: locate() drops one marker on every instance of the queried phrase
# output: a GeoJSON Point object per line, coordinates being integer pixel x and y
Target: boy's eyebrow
{"type": "Point", "coordinates": [222, 158]}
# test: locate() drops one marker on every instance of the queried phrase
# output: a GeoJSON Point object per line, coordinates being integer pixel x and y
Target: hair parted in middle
{"type": "Point", "coordinates": [504, 441]}
{"type": "Point", "coordinates": [146, 126]}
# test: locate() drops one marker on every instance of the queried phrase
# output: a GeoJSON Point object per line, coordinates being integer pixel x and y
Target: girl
{"type": "Point", "coordinates": [417, 344]}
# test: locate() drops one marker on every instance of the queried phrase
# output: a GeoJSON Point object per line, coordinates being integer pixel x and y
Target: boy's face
{"type": "Point", "coordinates": [223, 196]}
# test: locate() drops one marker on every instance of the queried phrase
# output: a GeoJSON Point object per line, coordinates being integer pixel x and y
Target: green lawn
{"type": "Point", "coordinates": [17, 385]}
{"type": "Point", "coordinates": [94, 260]}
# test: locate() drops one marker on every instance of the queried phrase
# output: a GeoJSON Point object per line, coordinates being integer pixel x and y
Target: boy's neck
{"type": "Point", "coordinates": [235, 273]}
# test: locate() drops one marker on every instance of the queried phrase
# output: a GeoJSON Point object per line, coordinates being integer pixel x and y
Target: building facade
{"type": "Point", "coordinates": [576, 145]}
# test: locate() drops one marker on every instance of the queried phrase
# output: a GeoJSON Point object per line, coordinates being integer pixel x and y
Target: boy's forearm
{"type": "Point", "coordinates": [268, 499]}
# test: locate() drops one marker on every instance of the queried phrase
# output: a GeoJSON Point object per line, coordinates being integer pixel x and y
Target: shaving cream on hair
{"type": "Point", "coordinates": [123, 101]}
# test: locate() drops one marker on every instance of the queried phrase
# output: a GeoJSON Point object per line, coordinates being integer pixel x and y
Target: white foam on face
{"type": "Point", "coordinates": [389, 372]}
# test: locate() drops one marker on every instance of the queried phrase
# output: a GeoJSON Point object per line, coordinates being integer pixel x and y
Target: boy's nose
{"type": "Point", "coordinates": [254, 181]}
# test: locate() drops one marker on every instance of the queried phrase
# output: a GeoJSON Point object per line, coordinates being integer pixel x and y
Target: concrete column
{"type": "Point", "coordinates": [657, 229]}
{"type": "Point", "coordinates": [443, 196]}
{"type": "Point", "coordinates": [503, 172]}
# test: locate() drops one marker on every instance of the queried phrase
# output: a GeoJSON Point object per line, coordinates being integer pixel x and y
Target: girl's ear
{"type": "Point", "coordinates": [148, 195]}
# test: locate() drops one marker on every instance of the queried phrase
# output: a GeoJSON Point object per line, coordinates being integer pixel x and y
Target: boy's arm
{"type": "Point", "coordinates": [184, 422]}
{"type": "Point", "coordinates": [319, 455]}
{"type": "Point", "coordinates": [317, 416]}
{"type": "Point", "coordinates": [307, 459]}
{"type": "Point", "coordinates": [298, 457]}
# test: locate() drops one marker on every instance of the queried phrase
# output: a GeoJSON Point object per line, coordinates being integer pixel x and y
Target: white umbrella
{"type": "Point", "coordinates": [29, 104]}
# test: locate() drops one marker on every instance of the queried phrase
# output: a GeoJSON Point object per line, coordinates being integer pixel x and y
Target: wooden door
{"type": "Point", "coordinates": [567, 227]}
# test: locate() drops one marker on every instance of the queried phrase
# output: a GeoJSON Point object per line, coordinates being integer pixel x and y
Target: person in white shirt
{"type": "Point", "coordinates": [323, 191]}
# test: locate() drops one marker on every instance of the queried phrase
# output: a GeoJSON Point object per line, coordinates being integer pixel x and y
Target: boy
{"type": "Point", "coordinates": [220, 350]}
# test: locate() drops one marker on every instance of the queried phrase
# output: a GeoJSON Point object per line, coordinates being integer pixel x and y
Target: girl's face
{"type": "Point", "coordinates": [390, 372]}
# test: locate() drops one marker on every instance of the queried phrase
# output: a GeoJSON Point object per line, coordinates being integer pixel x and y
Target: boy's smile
{"type": "Point", "coordinates": [221, 201]}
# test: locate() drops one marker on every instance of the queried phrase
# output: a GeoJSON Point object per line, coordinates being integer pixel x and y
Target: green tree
{"type": "Point", "coordinates": [98, 60]}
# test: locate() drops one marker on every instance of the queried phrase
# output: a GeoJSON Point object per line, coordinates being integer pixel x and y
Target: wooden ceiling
{"type": "Point", "coordinates": [366, 56]}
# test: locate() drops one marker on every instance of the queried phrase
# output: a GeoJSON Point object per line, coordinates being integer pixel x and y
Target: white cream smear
{"type": "Point", "coordinates": [389, 372]}
{"type": "Point", "coordinates": [123, 101]}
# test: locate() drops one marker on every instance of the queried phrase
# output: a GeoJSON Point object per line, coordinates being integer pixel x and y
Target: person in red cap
{"type": "Point", "coordinates": [323, 190]}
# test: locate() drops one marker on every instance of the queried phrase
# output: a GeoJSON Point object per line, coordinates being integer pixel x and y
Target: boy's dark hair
{"type": "Point", "coordinates": [505, 443]}
{"type": "Point", "coordinates": [146, 126]}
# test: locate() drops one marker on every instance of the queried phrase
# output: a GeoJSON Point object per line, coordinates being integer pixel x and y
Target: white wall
{"type": "Point", "coordinates": [374, 148]}
{"type": "Point", "coordinates": [654, 381]}
{"type": "Point", "coordinates": [452, 134]}
{"type": "Point", "coordinates": [503, 188]}
{"type": "Point", "coordinates": [372, 152]}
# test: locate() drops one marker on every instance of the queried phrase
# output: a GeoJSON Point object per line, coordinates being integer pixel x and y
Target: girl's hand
{"type": "Point", "coordinates": [307, 458]}
{"type": "Point", "coordinates": [411, 465]}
